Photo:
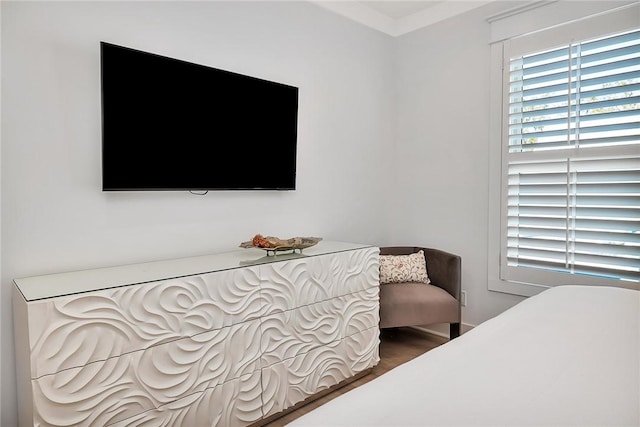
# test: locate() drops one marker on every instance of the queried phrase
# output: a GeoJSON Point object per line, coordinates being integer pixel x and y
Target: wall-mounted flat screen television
{"type": "Point", "coordinates": [169, 124]}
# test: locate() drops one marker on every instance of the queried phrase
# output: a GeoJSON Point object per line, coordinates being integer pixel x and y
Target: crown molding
{"type": "Point", "coordinates": [436, 13]}
{"type": "Point", "coordinates": [358, 12]}
{"type": "Point", "coordinates": [518, 10]}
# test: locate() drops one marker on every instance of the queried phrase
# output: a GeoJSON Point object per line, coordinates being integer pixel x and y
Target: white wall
{"type": "Point", "coordinates": [443, 149]}
{"type": "Point", "coordinates": [55, 217]}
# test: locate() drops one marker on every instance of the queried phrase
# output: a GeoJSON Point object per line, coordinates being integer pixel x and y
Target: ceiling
{"type": "Point", "coordinates": [399, 9]}
{"type": "Point", "coordinates": [400, 17]}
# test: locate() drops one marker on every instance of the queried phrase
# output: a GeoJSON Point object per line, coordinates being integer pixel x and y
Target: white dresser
{"type": "Point", "coordinates": [226, 339]}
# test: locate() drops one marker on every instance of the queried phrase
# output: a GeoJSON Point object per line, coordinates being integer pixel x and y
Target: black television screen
{"type": "Point", "coordinates": [168, 124]}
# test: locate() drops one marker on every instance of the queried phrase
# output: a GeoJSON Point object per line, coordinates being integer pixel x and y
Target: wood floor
{"type": "Point", "coordinates": [397, 346]}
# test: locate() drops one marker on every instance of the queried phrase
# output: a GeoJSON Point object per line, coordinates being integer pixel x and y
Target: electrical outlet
{"type": "Point", "coordinates": [463, 298]}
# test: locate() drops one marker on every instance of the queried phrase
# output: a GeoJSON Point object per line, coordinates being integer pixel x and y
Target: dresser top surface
{"type": "Point", "coordinates": [60, 284]}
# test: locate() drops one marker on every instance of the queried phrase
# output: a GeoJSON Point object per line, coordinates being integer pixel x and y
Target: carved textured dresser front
{"type": "Point", "coordinates": [226, 339]}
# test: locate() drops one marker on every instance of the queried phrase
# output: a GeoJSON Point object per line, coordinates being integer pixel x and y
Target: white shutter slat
{"type": "Point", "coordinates": [628, 255]}
{"type": "Point", "coordinates": [607, 272]}
{"type": "Point", "coordinates": [609, 79]}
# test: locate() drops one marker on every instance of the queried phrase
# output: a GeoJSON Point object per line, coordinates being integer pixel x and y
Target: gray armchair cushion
{"type": "Point", "coordinates": [406, 304]}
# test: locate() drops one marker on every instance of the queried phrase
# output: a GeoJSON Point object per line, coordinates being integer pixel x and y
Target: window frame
{"type": "Point", "coordinates": [615, 18]}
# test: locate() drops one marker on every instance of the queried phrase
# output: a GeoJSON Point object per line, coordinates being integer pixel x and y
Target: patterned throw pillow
{"type": "Point", "coordinates": [403, 268]}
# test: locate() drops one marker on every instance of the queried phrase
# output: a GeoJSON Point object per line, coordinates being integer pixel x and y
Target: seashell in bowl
{"type": "Point", "coordinates": [274, 244]}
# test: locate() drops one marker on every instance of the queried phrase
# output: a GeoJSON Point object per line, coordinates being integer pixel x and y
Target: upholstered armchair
{"type": "Point", "coordinates": [416, 304]}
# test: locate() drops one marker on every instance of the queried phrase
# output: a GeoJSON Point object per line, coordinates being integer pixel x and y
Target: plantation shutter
{"type": "Point", "coordinates": [576, 216]}
{"type": "Point", "coordinates": [572, 187]}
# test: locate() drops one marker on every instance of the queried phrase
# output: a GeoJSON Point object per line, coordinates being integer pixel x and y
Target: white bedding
{"type": "Point", "coordinates": [568, 356]}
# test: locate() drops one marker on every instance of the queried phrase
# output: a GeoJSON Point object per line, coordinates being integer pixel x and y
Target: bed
{"type": "Point", "coordinates": [566, 357]}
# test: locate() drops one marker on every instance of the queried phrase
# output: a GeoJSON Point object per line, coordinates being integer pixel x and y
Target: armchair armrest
{"type": "Point", "coordinates": [445, 270]}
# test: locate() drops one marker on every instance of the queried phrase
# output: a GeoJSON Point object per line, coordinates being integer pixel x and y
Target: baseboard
{"type": "Point", "coordinates": [442, 330]}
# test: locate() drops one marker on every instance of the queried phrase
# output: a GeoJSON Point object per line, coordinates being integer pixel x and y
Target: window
{"type": "Point", "coordinates": [571, 208]}
{"type": "Point", "coordinates": [570, 182]}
